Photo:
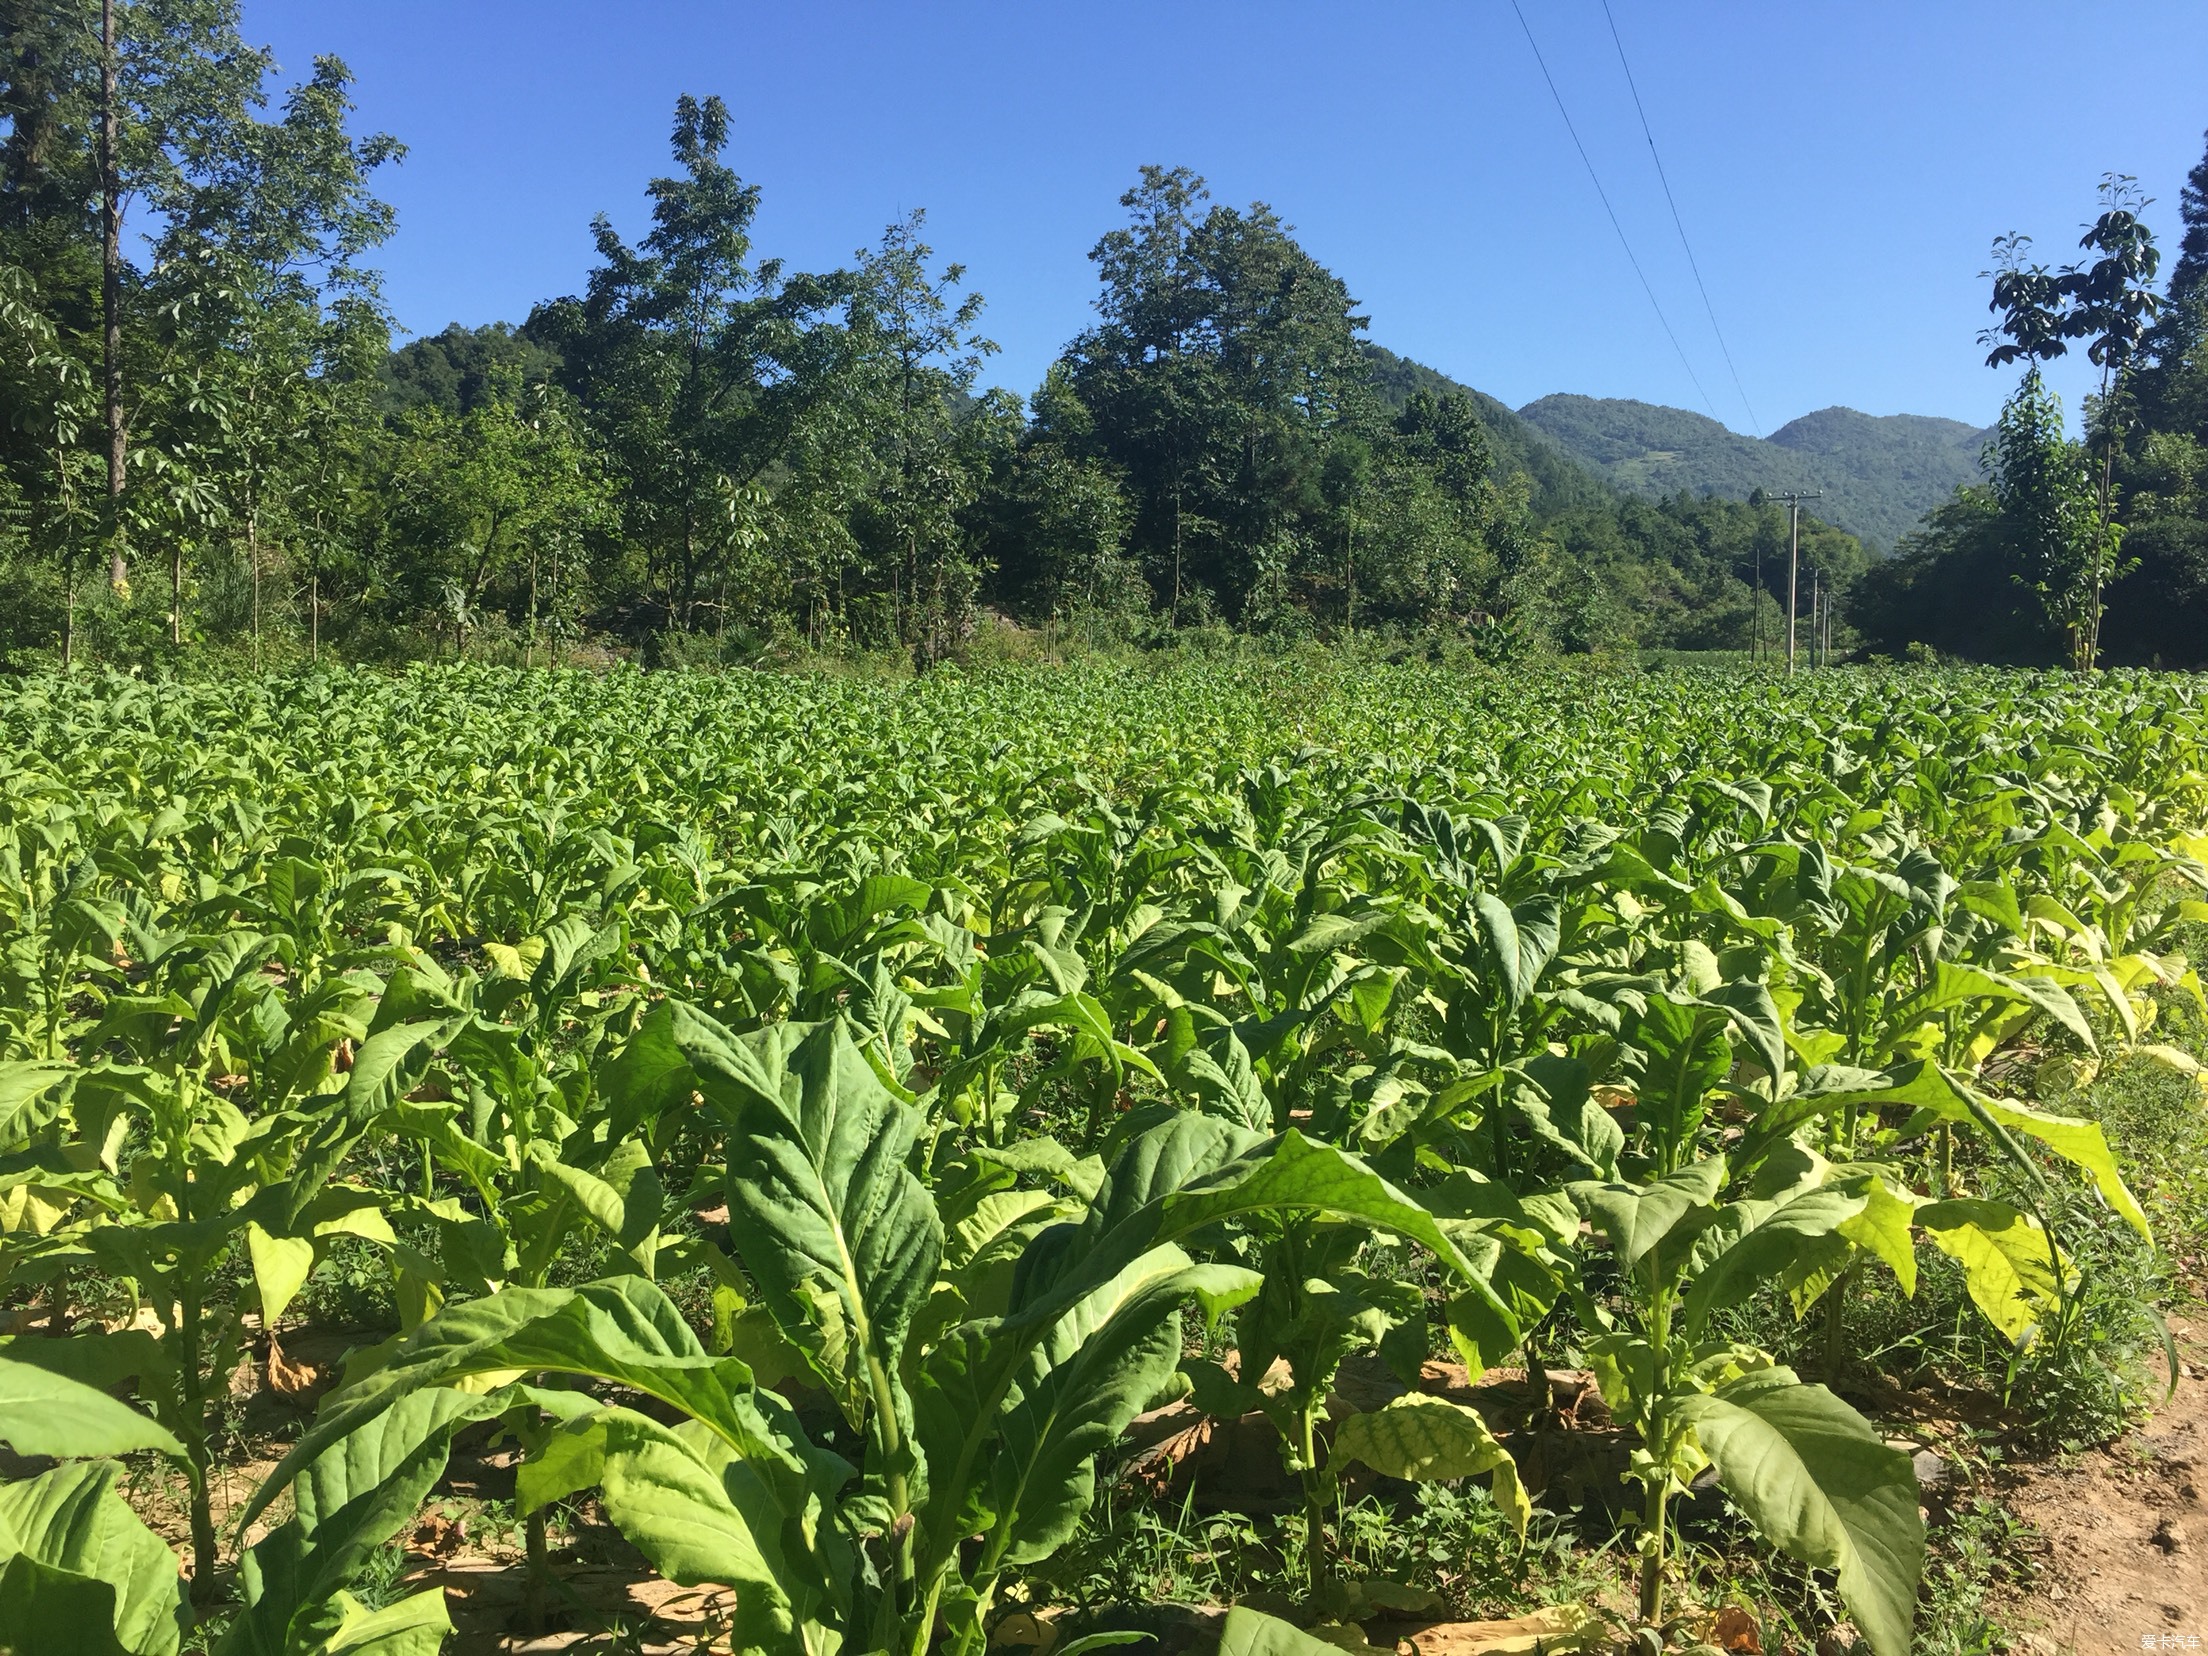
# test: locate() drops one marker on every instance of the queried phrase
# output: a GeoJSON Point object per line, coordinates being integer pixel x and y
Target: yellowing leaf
{"type": "Point", "coordinates": [1430, 1439]}
{"type": "Point", "coordinates": [281, 1266]}
{"type": "Point", "coordinates": [2008, 1262]}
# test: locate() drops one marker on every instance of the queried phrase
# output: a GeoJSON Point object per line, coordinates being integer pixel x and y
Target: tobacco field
{"type": "Point", "coordinates": [1280, 1157]}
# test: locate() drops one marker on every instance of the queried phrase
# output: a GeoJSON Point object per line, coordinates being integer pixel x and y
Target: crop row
{"type": "Point", "coordinates": [1010, 1020]}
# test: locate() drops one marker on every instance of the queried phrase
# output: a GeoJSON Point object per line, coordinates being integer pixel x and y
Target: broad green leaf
{"type": "Point", "coordinates": [416, 1625]}
{"type": "Point", "coordinates": [44, 1413]}
{"type": "Point", "coordinates": [623, 1330]}
{"type": "Point", "coordinates": [667, 1493]}
{"type": "Point", "coordinates": [1638, 1218]}
{"type": "Point", "coordinates": [1678, 1053]}
{"type": "Point", "coordinates": [1763, 1240]}
{"type": "Point", "coordinates": [1430, 1439]}
{"type": "Point", "coordinates": [1882, 1230]}
{"type": "Point", "coordinates": [91, 1549]}
{"type": "Point", "coordinates": [348, 1501]}
{"type": "Point", "coordinates": [22, 1083]}
{"type": "Point", "coordinates": [1521, 938]}
{"type": "Point", "coordinates": [1755, 1014]}
{"type": "Point", "coordinates": [1296, 1173]}
{"type": "Point", "coordinates": [2081, 1143]}
{"type": "Point", "coordinates": [1822, 1486]}
{"type": "Point", "coordinates": [1099, 1366]}
{"type": "Point", "coordinates": [1248, 1632]}
{"type": "Point", "coordinates": [993, 1215]}
{"type": "Point", "coordinates": [1992, 900]}
{"type": "Point", "coordinates": [44, 1609]}
{"type": "Point", "coordinates": [823, 1210]}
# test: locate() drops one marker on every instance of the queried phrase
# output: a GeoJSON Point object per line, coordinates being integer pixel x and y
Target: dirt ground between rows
{"type": "Point", "coordinates": [2126, 1532]}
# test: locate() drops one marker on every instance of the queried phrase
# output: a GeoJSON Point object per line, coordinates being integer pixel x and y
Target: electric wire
{"type": "Point", "coordinates": [1677, 223]}
{"type": "Point", "coordinates": [1595, 178]}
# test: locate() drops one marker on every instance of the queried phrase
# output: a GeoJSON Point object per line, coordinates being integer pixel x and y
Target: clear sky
{"type": "Point", "coordinates": [1841, 167]}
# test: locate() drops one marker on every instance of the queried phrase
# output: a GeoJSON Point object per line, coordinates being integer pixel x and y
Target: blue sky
{"type": "Point", "coordinates": [1841, 167]}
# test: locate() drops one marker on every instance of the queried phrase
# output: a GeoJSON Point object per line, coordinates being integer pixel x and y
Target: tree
{"type": "Point", "coordinates": [47, 469]}
{"type": "Point", "coordinates": [2047, 517]}
{"type": "Point", "coordinates": [1052, 520]}
{"type": "Point", "coordinates": [914, 356]}
{"type": "Point", "coordinates": [255, 224]}
{"type": "Point", "coordinates": [487, 499]}
{"type": "Point", "coordinates": [694, 365]}
{"type": "Point", "coordinates": [2110, 304]}
{"type": "Point", "coordinates": [1224, 360]}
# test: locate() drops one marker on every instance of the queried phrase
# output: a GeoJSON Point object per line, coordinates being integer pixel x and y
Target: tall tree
{"type": "Point", "coordinates": [119, 105]}
{"type": "Point", "coordinates": [915, 354]}
{"type": "Point", "coordinates": [2108, 303]}
{"type": "Point", "coordinates": [2045, 495]}
{"type": "Point", "coordinates": [483, 501]}
{"type": "Point", "coordinates": [695, 364]}
{"type": "Point", "coordinates": [1224, 361]}
{"type": "Point", "coordinates": [2112, 306]}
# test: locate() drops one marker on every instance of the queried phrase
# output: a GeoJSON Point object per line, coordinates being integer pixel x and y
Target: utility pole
{"type": "Point", "coordinates": [1755, 606]}
{"type": "Point", "coordinates": [1792, 500]}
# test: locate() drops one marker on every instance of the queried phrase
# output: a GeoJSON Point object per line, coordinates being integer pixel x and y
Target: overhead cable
{"type": "Point", "coordinates": [1692, 263]}
{"type": "Point", "coordinates": [1623, 241]}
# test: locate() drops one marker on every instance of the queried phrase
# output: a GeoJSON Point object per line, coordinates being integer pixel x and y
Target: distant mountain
{"type": "Point", "coordinates": [1880, 473]}
{"type": "Point", "coordinates": [1558, 480]}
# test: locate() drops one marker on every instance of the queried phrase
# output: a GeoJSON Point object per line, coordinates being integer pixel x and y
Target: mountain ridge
{"type": "Point", "coordinates": [1878, 473]}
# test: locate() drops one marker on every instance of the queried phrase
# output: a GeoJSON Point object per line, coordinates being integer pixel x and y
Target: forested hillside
{"type": "Point", "coordinates": [703, 454]}
{"type": "Point", "coordinates": [1879, 473]}
{"type": "Point", "coordinates": [1558, 479]}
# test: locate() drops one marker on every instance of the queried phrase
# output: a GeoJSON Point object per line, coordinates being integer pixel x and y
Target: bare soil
{"type": "Point", "coordinates": [2126, 1532]}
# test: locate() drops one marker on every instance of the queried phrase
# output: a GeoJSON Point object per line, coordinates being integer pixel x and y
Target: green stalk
{"type": "Point", "coordinates": [1318, 1565]}
{"type": "Point", "coordinates": [1836, 1345]}
{"type": "Point", "coordinates": [1655, 1516]}
{"type": "Point", "coordinates": [1653, 1519]}
{"type": "Point", "coordinates": [923, 1626]}
{"type": "Point", "coordinates": [1500, 1130]}
{"type": "Point", "coordinates": [536, 1541]}
{"type": "Point", "coordinates": [206, 1552]}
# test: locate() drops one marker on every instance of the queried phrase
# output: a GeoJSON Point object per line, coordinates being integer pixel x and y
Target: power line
{"type": "Point", "coordinates": [1623, 242]}
{"type": "Point", "coordinates": [1677, 222]}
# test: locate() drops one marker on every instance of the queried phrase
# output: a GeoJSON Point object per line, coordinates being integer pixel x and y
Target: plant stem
{"type": "Point", "coordinates": [535, 1538]}
{"type": "Point", "coordinates": [206, 1552]}
{"type": "Point", "coordinates": [1318, 1564]}
{"type": "Point", "coordinates": [1652, 1555]}
{"type": "Point", "coordinates": [1836, 1322]}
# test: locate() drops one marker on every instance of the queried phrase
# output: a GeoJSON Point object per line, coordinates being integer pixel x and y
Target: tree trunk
{"type": "Point", "coordinates": [529, 649]}
{"type": "Point", "coordinates": [68, 610]}
{"type": "Point", "coordinates": [1350, 566]}
{"type": "Point", "coordinates": [2100, 550]}
{"type": "Point", "coordinates": [253, 556]}
{"type": "Point", "coordinates": [314, 609]}
{"type": "Point", "coordinates": [111, 299]}
{"type": "Point", "coordinates": [176, 592]}
{"type": "Point", "coordinates": [1176, 551]}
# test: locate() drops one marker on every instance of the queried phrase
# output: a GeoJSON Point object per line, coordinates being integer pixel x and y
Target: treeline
{"type": "Point", "coordinates": [2093, 551]}
{"type": "Point", "coordinates": [706, 454]}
